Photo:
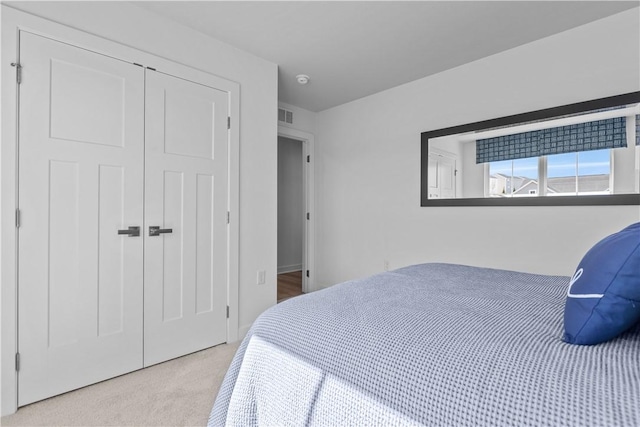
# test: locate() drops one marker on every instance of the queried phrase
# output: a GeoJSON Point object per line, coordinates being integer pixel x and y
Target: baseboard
{"type": "Point", "coordinates": [289, 268]}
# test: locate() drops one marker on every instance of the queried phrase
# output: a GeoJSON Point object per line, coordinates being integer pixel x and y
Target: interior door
{"type": "Point", "coordinates": [80, 182]}
{"type": "Point", "coordinates": [433, 178]}
{"type": "Point", "coordinates": [441, 176]}
{"type": "Point", "coordinates": [447, 177]}
{"type": "Point", "coordinates": [186, 201]}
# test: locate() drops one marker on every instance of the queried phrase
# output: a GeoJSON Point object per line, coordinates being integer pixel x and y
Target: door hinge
{"type": "Point", "coordinates": [228, 122]}
{"type": "Point", "coordinates": [227, 312]}
{"type": "Point", "coordinates": [308, 159]}
{"type": "Point", "coordinates": [17, 361]}
{"type": "Point", "coordinates": [17, 218]}
{"type": "Point", "coordinates": [18, 71]}
{"type": "Point", "coordinates": [307, 273]}
{"type": "Point", "coordinates": [228, 217]}
{"type": "Point", "coordinates": [151, 68]}
{"type": "Point", "coordinates": [308, 216]}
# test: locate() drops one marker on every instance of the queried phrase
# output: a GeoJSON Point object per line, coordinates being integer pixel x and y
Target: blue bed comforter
{"type": "Point", "coordinates": [432, 344]}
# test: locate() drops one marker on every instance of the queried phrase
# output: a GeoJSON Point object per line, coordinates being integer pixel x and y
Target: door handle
{"type": "Point", "coordinates": [131, 231]}
{"type": "Point", "coordinates": [154, 230]}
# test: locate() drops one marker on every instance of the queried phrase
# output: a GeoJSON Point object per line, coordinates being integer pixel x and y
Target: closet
{"type": "Point", "coordinates": [123, 195]}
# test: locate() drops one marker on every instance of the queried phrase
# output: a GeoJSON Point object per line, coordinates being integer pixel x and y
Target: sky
{"type": "Point", "coordinates": [589, 163]}
{"type": "Point", "coordinates": [521, 167]}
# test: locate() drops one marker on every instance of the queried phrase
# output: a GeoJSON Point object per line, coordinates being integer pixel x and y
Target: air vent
{"type": "Point", "coordinates": [285, 116]}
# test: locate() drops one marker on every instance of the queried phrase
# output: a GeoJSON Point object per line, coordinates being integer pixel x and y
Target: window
{"type": "Point", "coordinates": [513, 178]}
{"type": "Point", "coordinates": [569, 174]}
{"type": "Point", "coordinates": [573, 159]}
{"type": "Point", "coordinates": [582, 173]}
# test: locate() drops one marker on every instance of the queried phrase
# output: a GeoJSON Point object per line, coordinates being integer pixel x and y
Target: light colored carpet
{"type": "Point", "coordinates": [179, 392]}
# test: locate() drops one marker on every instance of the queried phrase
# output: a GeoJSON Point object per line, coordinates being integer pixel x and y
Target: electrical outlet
{"type": "Point", "coordinates": [261, 279]}
{"type": "Point", "coordinates": [386, 265]}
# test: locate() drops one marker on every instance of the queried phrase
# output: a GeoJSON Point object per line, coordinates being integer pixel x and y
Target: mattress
{"type": "Point", "coordinates": [430, 344]}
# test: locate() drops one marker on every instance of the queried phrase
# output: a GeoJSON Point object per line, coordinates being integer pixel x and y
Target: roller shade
{"type": "Point", "coordinates": [595, 135]}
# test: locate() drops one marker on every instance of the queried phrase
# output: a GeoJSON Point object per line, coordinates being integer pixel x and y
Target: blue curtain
{"type": "Point", "coordinates": [596, 135]}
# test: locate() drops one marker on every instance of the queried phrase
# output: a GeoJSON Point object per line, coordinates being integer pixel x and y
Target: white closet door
{"type": "Point", "coordinates": [80, 181]}
{"type": "Point", "coordinates": [186, 197]}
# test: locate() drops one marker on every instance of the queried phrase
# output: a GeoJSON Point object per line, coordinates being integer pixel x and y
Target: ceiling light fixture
{"type": "Point", "coordinates": [303, 79]}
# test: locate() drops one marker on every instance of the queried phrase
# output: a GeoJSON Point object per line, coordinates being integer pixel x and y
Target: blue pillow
{"type": "Point", "coordinates": [603, 299]}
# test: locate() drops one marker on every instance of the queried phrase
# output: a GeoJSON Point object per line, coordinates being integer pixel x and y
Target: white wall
{"type": "Point", "coordinates": [624, 162]}
{"type": "Point", "coordinates": [472, 173]}
{"type": "Point", "coordinates": [290, 205]}
{"type": "Point", "coordinates": [303, 120]}
{"type": "Point", "coordinates": [368, 169]}
{"type": "Point", "coordinates": [130, 25]}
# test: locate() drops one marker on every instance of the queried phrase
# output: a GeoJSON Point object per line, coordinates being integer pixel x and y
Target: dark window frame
{"type": "Point", "coordinates": [547, 113]}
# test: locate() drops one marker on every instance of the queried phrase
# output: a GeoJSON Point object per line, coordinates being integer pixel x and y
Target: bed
{"type": "Point", "coordinates": [430, 344]}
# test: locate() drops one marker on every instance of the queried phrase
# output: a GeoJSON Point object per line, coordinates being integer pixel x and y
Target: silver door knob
{"type": "Point", "coordinates": [155, 230]}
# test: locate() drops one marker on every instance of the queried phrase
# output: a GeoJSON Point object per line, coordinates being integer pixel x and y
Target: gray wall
{"type": "Point", "coordinates": [290, 205]}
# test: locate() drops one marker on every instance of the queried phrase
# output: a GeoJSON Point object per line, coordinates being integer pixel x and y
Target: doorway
{"type": "Point", "coordinates": [295, 216]}
{"type": "Point", "coordinates": [442, 175]}
{"type": "Point", "coordinates": [291, 217]}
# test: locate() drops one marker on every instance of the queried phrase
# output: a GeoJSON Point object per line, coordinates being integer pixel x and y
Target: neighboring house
{"type": "Point", "coordinates": [501, 185]}
{"type": "Point", "coordinates": [498, 184]}
{"type": "Point", "coordinates": [591, 184]}
{"type": "Point", "coordinates": [528, 188]}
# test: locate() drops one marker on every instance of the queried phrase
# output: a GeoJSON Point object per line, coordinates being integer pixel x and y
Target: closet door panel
{"type": "Point", "coordinates": [173, 250]}
{"type": "Point", "coordinates": [111, 275]}
{"type": "Point", "coordinates": [204, 292]}
{"type": "Point", "coordinates": [81, 154]}
{"type": "Point", "coordinates": [185, 192]}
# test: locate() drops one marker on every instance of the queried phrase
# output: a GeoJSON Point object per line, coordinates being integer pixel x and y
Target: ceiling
{"type": "Point", "coordinates": [352, 49]}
